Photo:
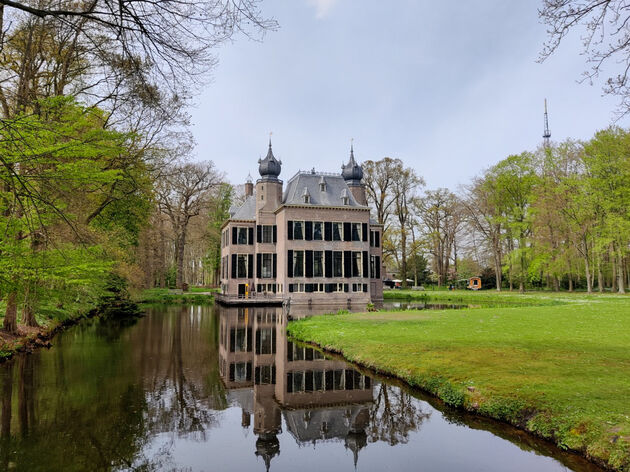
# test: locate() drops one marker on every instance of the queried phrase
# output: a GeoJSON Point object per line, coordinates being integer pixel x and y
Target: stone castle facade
{"type": "Point", "coordinates": [310, 242]}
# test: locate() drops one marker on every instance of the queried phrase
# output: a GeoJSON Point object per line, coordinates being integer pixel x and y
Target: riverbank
{"type": "Point", "coordinates": [560, 369]}
{"type": "Point", "coordinates": [29, 338]}
{"type": "Point", "coordinates": [196, 295]}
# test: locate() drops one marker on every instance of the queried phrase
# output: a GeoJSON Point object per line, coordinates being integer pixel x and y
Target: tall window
{"type": "Point", "coordinates": [241, 264]}
{"type": "Point", "coordinates": [337, 231]}
{"type": "Point", "coordinates": [242, 235]}
{"type": "Point", "coordinates": [337, 264]}
{"type": "Point", "coordinates": [298, 230]}
{"type": "Point", "coordinates": [317, 230]}
{"type": "Point", "coordinates": [298, 263]}
{"type": "Point", "coordinates": [267, 234]}
{"type": "Point", "coordinates": [318, 263]}
{"type": "Point", "coordinates": [372, 266]}
{"type": "Point", "coordinates": [267, 269]}
{"type": "Point", "coordinates": [356, 264]}
{"type": "Point", "coordinates": [356, 231]}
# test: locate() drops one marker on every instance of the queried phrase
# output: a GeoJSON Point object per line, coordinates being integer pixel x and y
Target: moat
{"type": "Point", "coordinates": [210, 388]}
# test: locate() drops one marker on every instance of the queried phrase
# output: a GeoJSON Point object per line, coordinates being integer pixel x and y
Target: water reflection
{"type": "Point", "coordinates": [205, 388]}
{"type": "Point", "coordinates": [321, 399]}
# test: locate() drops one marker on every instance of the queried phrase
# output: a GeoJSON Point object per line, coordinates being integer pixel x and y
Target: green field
{"type": "Point", "coordinates": [560, 368]}
{"type": "Point", "coordinates": [164, 295]}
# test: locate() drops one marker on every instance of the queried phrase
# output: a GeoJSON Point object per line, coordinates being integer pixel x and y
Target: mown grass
{"type": "Point", "coordinates": [167, 296]}
{"type": "Point", "coordinates": [560, 369]}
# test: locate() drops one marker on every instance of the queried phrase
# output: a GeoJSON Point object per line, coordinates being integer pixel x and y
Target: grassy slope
{"type": "Point", "coordinates": [560, 371]}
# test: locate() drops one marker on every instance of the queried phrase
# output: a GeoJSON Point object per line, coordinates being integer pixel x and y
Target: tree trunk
{"type": "Point", "coordinates": [179, 258]}
{"type": "Point", "coordinates": [587, 268]}
{"type": "Point", "coordinates": [28, 311]}
{"type": "Point", "coordinates": [613, 263]}
{"type": "Point", "coordinates": [10, 315]}
{"type": "Point", "coordinates": [600, 277]}
{"type": "Point", "coordinates": [403, 257]}
{"type": "Point", "coordinates": [620, 275]}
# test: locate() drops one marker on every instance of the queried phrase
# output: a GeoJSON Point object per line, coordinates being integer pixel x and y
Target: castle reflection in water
{"type": "Point", "coordinates": [268, 376]}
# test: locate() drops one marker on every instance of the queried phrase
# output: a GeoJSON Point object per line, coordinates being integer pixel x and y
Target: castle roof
{"type": "Point", "coordinates": [246, 212]}
{"type": "Point", "coordinates": [334, 190]}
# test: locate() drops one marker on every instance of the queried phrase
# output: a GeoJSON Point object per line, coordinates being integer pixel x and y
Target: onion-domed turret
{"type": "Point", "coordinates": [352, 172]}
{"type": "Point", "coordinates": [269, 167]}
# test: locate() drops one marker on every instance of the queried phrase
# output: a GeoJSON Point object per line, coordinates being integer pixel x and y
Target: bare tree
{"type": "Point", "coordinates": [184, 192]}
{"type": "Point", "coordinates": [379, 179]}
{"type": "Point", "coordinates": [405, 185]}
{"type": "Point", "coordinates": [440, 212]}
{"type": "Point", "coordinates": [605, 38]}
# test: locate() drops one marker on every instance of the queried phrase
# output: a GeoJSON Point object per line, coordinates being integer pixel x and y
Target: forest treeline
{"type": "Point", "coordinates": [94, 146]}
{"type": "Point", "coordinates": [557, 218]}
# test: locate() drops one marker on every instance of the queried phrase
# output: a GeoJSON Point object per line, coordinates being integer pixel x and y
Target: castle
{"type": "Point", "coordinates": [314, 242]}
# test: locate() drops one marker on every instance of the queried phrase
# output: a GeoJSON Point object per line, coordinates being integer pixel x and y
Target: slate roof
{"type": "Point", "coordinates": [247, 211]}
{"type": "Point", "coordinates": [310, 182]}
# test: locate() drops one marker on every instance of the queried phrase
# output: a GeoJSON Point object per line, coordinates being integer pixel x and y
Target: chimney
{"type": "Point", "coordinates": [249, 187]}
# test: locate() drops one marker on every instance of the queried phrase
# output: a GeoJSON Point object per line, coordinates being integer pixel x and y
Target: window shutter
{"type": "Point", "coordinates": [377, 239]}
{"type": "Point", "coordinates": [308, 230]}
{"type": "Point", "coordinates": [259, 265]}
{"type": "Point", "coordinates": [273, 374]}
{"type": "Point", "coordinates": [289, 382]}
{"type": "Point", "coordinates": [309, 264]}
{"type": "Point", "coordinates": [275, 234]}
{"type": "Point", "coordinates": [232, 339]}
{"type": "Point", "coordinates": [289, 230]}
{"type": "Point", "coordinates": [347, 232]}
{"type": "Point", "coordinates": [257, 375]}
{"type": "Point", "coordinates": [289, 351]}
{"type": "Point", "coordinates": [365, 288]}
{"type": "Point", "coordinates": [231, 372]}
{"type": "Point", "coordinates": [250, 235]}
{"type": "Point", "coordinates": [327, 231]}
{"type": "Point", "coordinates": [258, 233]}
{"type": "Point", "coordinates": [275, 265]}
{"type": "Point", "coordinates": [233, 266]}
{"type": "Point", "coordinates": [249, 372]}
{"type": "Point", "coordinates": [257, 342]}
{"type": "Point", "coordinates": [378, 267]}
{"type": "Point", "coordinates": [364, 229]}
{"type": "Point", "coordinates": [249, 340]}
{"type": "Point", "coordinates": [250, 266]}
{"type": "Point", "coordinates": [289, 263]}
{"type": "Point", "coordinates": [347, 263]}
{"type": "Point", "coordinates": [371, 238]}
{"type": "Point", "coordinates": [366, 264]}
{"type": "Point", "coordinates": [234, 234]}
{"type": "Point", "coordinates": [328, 262]}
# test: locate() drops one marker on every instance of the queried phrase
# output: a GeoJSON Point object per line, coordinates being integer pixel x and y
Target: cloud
{"type": "Point", "coordinates": [322, 7]}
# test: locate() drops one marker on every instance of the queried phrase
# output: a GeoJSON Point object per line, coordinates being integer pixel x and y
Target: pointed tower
{"type": "Point", "coordinates": [268, 187]}
{"type": "Point", "coordinates": [546, 132]}
{"type": "Point", "coordinates": [352, 173]}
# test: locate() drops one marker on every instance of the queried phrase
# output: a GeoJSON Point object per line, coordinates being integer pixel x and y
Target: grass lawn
{"type": "Point", "coordinates": [165, 295]}
{"type": "Point", "coordinates": [560, 369]}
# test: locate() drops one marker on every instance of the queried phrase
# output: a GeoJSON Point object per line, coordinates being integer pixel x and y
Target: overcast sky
{"type": "Point", "coordinates": [448, 87]}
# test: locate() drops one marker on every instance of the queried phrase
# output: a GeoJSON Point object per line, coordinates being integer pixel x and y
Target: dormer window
{"type": "Point", "coordinates": [306, 196]}
{"type": "Point", "coordinates": [322, 187]}
{"type": "Point", "coordinates": [345, 199]}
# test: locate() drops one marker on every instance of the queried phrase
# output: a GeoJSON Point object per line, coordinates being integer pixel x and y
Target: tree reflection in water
{"type": "Point", "coordinates": [393, 415]}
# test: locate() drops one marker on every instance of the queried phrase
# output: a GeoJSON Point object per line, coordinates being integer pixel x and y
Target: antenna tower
{"type": "Point", "coordinates": [546, 132]}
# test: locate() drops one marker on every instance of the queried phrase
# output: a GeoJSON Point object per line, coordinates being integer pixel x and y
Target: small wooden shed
{"type": "Point", "coordinates": [474, 283]}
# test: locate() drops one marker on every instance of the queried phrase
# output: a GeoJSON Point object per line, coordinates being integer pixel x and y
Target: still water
{"type": "Point", "coordinates": [220, 389]}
